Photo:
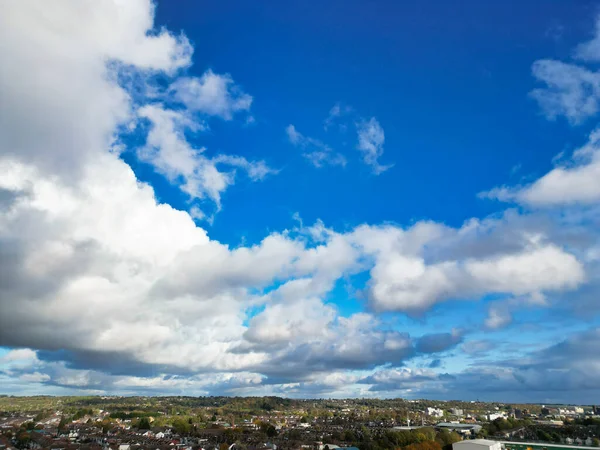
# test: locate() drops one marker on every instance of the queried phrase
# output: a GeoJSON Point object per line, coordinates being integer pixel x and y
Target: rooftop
{"type": "Point", "coordinates": [485, 442]}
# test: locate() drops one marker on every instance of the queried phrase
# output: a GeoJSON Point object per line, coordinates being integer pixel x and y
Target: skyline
{"type": "Point", "coordinates": [305, 200]}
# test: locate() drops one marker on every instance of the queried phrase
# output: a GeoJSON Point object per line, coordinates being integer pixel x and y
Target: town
{"type": "Point", "coordinates": [271, 423]}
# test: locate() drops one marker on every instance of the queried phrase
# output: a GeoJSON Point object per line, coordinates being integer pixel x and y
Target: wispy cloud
{"type": "Point", "coordinates": [169, 151]}
{"type": "Point", "coordinates": [315, 151]}
{"type": "Point", "coordinates": [212, 94]}
{"type": "Point", "coordinates": [370, 142]}
{"type": "Point", "coordinates": [336, 112]}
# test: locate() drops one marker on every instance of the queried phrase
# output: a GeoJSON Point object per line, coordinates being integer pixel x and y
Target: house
{"type": "Point", "coordinates": [462, 428]}
{"type": "Point", "coordinates": [494, 416]}
{"type": "Point", "coordinates": [435, 412]}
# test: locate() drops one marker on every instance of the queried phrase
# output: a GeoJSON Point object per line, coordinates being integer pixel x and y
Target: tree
{"type": "Point", "coordinates": [543, 436]}
{"type": "Point", "coordinates": [62, 424]}
{"type": "Point", "coordinates": [420, 437]}
{"type": "Point", "coordinates": [268, 429]}
{"type": "Point", "coordinates": [144, 424]}
{"type": "Point", "coordinates": [181, 426]}
{"type": "Point", "coordinates": [446, 438]}
{"type": "Point", "coordinates": [425, 445]}
{"type": "Point", "coordinates": [232, 435]}
{"type": "Point", "coordinates": [596, 442]}
{"type": "Point", "coordinates": [350, 436]}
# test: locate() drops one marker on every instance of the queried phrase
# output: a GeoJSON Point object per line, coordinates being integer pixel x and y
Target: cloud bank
{"type": "Point", "coordinates": [104, 288]}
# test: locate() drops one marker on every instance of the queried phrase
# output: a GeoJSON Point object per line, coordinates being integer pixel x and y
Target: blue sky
{"type": "Point", "coordinates": [451, 95]}
{"type": "Point", "coordinates": [329, 199]}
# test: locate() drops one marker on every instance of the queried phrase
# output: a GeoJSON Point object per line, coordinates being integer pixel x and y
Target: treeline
{"type": "Point", "coordinates": [587, 421]}
{"type": "Point", "coordinates": [420, 439]}
{"type": "Point", "coordinates": [500, 425]}
{"type": "Point", "coordinates": [255, 403]}
{"type": "Point", "coordinates": [128, 415]}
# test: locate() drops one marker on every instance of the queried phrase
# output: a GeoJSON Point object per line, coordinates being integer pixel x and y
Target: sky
{"type": "Point", "coordinates": [304, 199]}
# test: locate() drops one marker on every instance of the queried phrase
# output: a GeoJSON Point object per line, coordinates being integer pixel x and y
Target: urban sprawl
{"type": "Point", "coordinates": [271, 423]}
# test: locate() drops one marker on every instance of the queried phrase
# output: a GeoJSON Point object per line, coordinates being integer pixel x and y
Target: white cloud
{"type": "Point", "coordinates": [590, 51]}
{"type": "Point", "coordinates": [545, 267]}
{"type": "Point", "coordinates": [197, 213]}
{"type": "Point", "coordinates": [337, 111]}
{"type": "Point", "coordinates": [574, 182]}
{"type": "Point", "coordinates": [571, 91]}
{"type": "Point", "coordinates": [35, 377]}
{"type": "Point", "coordinates": [565, 370]}
{"type": "Point", "coordinates": [370, 142]}
{"type": "Point", "coordinates": [157, 289]}
{"type": "Point", "coordinates": [212, 94]}
{"type": "Point", "coordinates": [77, 85]}
{"type": "Point", "coordinates": [405, 379]}
{"type": "Point", "coordinates": [500, 313]}
{"type": "Point", "coordinates": [284, 323]}
{"type": "Point", "coordinates": [315, 151]}
{"type": "Point", "coordinates": [256, 170]}
{"type": "Point", "coordinates": [403, 280]}
{"type": "Point", "coordinates": [82, 60]}
{"type": "Point", "coordinates": [498, 317]}
{"type": "Point", "coordinates": [371, 139]}
{"type": "Point", "coordinates": [168, 150]}
{"type": "Point", "coordinates": [293, 135]}
{"type": "Point", "coordinates": [21, 354]}
{"type": "Point", "coordinates": [103, 277]}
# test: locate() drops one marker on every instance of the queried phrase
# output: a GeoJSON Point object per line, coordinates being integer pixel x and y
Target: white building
{"type": "Point", "coordinates": [435, 412]}
{"type": "Point", "coordinates": [477, 444]}
{"type": "Point", "coordinates": [570, 411]}
{"type": "Point", "coordinates": [494, 416]}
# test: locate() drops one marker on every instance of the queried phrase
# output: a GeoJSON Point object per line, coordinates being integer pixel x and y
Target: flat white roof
{"type": "Point", "coordinates": [485, 442]}
{"type": "Point", "coordinates": [543, 444]}
{"type": "Point", "coordinates": [459, 425]}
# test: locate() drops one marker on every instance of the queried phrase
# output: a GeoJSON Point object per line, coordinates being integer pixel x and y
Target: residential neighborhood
{"type": "Point", "coordinates": [271, 423]}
